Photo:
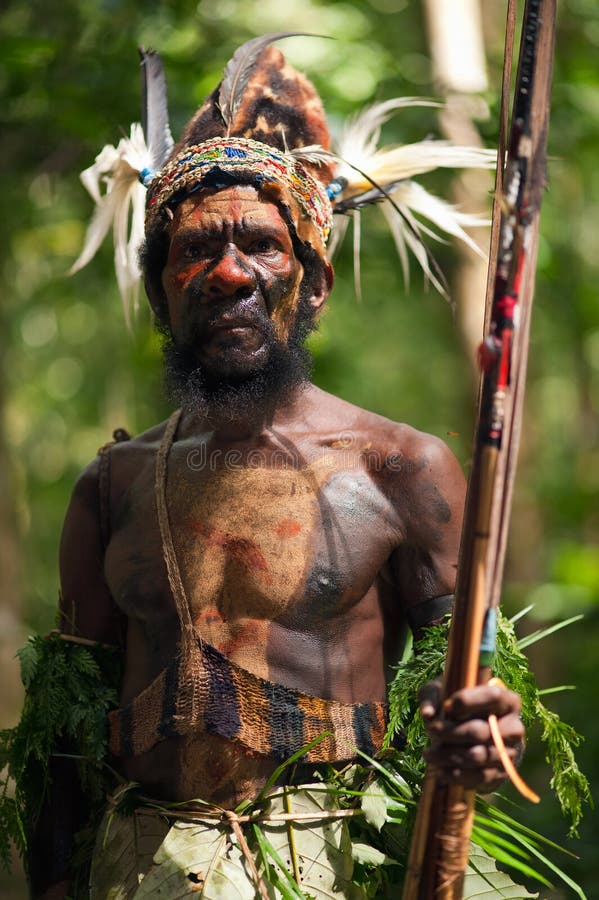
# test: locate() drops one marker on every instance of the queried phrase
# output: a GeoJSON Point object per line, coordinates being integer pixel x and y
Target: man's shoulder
{"type": "Point", "coordinates": [127, 456]}
{"type": "Point", "coordinates": [383, 435]}
{"type": "Point", "coordinates": [415, 471]}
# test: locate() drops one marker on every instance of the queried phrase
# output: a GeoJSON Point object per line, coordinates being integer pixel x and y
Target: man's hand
{"type": "Point", "coordinates": [462, 749]}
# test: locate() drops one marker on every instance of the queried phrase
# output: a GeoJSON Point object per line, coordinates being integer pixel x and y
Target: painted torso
{"type": "Point", "coordinates": [285, 546]}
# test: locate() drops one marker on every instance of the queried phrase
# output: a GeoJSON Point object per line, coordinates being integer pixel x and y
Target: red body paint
{"type": "Point", "coordinates": [288, 528]}
{"type": "Point", "coordinates": [242, 550]}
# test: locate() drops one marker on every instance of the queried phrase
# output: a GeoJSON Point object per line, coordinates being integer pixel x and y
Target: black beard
{"type": "Point", "coordinates": [249, 398]}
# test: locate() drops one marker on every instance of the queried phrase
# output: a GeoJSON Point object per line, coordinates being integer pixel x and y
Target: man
{"type": "Point", "coordinates": [258, 557]}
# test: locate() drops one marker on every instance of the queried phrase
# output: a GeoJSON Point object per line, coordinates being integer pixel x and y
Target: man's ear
{"type": "Point", "coordinates": [157, 297]}
{"type": "Point", "coordinates": [322, 284]}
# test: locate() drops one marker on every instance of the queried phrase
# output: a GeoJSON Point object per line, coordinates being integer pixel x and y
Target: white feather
{"type": "Point", "coordinates": [357, 272]}
{"type": "Point", "coordinates": [362, 132]}
{"type": "Point", "coordinates": [340, 225]}
{"type": "Point", "coordinates": [442, 214]}
{"type": "Point", "coordinates": [313, 153]}
{"type": "Point", "coordinates": [413, 237]}
{"type": "Point", "coordinates": [364, 167]}
{"type": "Point", "coordinates": [411, 233]}
{"type": "Point", "coordinates": [397, 227]}
{"type": "Point", "coordinates": [394, 164]}
{"type": "Point", "coordinates": [411, 198]}
{"type": "Point", "coordinates": [122, 205]}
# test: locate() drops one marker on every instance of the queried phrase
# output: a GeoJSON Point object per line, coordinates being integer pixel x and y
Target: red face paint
{"type": "Point", "coordinates": [180, 279]}
{"type": "Point", "coordinates": [229, 243]}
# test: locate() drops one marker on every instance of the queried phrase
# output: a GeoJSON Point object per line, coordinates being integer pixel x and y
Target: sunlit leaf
{"type": "Point", "coordinates": [374, 805]}
{"type": "Point", "coordinates": [483, 881]}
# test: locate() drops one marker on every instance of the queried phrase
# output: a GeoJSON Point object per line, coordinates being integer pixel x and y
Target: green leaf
{"type": "Point", "coordinates": [568, 782]}
{"type": "Point", "coordinates": [198, 854]}
{"type": "Point", "coordinates": [374, 805]}
{"type": "Point", "coordinates": [483, 881]}
{"type": "Point", "coordinates": [557, 689]}
{"type": "Point", "coordinates": [69, 691]}
{"type": "Point", "coordinates": [28, 658]}
{"type": "Point", "coordinates": [287, 886]}
{"type": "Point", "coordinates": [520, 615]}
{"type": "Point", "coordinates": [506, 852]}
{"type": "Point", "coordinates": [204, 855]}
{"type": "Point", "coordinates": [500, 820]}
{"type": "Point", "coordinates": [554, 868]}
{"type": "Point", "coordinates": [542, 633]}
{"type": "Point", "coordinates": [369, 856]}
{"type": "Point", "coordinates": [393, 777]}
{"type": "Point", "coordinates": [323, 845]}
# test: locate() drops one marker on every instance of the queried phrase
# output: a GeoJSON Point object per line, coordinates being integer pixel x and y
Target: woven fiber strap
{"type": "Point", "coordinates": [210, 694]}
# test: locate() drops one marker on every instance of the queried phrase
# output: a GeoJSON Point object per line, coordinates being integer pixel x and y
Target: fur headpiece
{"type": "Point", "coordinates": [265, 125]}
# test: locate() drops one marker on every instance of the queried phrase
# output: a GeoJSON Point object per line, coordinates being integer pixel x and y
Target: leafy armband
{"type": "Point", "coordinates": [70, 688]}
{"type": "Point", "coordinates": [511, 665]}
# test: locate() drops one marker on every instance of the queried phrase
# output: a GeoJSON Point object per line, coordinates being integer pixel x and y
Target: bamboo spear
{"type": "Point", "coordinates": [440, 844]}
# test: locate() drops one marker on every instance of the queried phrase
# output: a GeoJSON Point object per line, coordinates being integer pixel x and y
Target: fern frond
{"type": "Point", "coordinates": [70, 690]}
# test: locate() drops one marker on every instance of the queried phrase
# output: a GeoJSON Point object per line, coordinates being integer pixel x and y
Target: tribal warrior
{"type": "Point", "coordinates": [258, 557]}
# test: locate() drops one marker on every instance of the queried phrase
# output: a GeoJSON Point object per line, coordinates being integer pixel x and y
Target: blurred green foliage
{"type": "Point", "coordinates": [71, 373]}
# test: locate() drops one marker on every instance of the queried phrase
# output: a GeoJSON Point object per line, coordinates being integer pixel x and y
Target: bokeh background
{"type": "Point", "coordinates": [70, 372]}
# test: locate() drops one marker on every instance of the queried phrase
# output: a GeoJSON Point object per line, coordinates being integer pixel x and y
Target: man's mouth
{"type": "Point", "coordinates": [228, 332]}
{"type": "Point", "coordinates": [233, 324]}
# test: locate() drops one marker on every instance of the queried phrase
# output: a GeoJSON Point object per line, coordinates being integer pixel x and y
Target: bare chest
{"type": "Point", "coordinates": [253, 545]}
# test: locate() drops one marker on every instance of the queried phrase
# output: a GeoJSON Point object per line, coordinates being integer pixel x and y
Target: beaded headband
{"type": "Point", "coordinates": [195, 163]}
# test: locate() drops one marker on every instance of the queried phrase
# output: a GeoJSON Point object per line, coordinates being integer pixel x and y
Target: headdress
{"type": "Point", "coordinates": [265, 125]}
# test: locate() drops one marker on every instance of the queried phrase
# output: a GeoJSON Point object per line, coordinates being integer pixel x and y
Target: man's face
{"type": "Point", "coordinates": [231, 280]}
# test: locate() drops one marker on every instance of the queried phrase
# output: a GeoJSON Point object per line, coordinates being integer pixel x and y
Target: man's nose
{"type": "Point", "coordinates": [230, 275]}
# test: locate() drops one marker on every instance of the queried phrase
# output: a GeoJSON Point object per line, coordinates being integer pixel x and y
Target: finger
{"type": "Point", "coordinates": [475, 731]}
{"type": "Point", "coordinates": [447, 733]}
{"type": "Point", "coordinates": [484, 781]}
{"type": "Point", "coordinates": [477, 757]}
{"type": "Point", "coordinates": [481, 701]}
{"type": "Point", "coordinates": [430, 699]}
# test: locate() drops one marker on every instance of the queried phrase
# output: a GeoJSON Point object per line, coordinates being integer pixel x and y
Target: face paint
{"type": "Point", "coordinates": [231, 261]}
{"type": "Point", "coordinates": [237, 315]}
{"type": "Point", "coordinates": [285, 307]}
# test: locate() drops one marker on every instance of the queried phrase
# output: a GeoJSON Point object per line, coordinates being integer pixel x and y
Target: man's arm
{"type": "Point", "coordinates": [431, 506]}
{"type": "Point", "coordinates": [86, 605]}
{"type": "Point", "coordinates": [88, 611]}
{"type": "Point", "coordinates": [428, 492]}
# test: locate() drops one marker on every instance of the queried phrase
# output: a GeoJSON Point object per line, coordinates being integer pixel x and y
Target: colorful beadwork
{"type": "Point", "coordinates": [194, 163]}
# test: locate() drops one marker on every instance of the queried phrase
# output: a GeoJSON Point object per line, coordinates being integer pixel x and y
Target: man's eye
{"type": "Point", "coordinates": [193, 251]}
{"type": "Point", "coordinates": [264, 245]}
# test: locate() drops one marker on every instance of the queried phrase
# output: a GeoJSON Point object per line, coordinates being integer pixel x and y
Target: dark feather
{"type": "Point", "coordinates": [238, 70]}
{"type": "Point", "coordinates": [154, 108]}
{"type": "Point", "coordinates": [367, 198]}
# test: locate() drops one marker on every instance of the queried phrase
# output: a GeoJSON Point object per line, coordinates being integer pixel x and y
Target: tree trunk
{"type": "Point", "coordinates": [458, 56]}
